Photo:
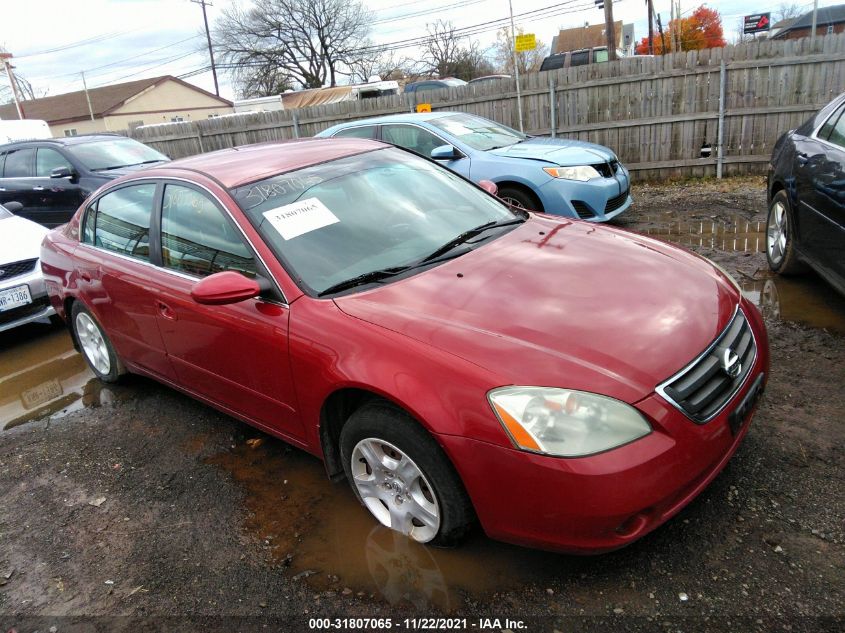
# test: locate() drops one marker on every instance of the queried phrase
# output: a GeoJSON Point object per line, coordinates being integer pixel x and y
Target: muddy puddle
{"type": "Point", "coordinates": [733, 234]}
{"type": "Point", "coordinates": [324, 537]}
{"type": "Point", "coordinates": [42, 375]}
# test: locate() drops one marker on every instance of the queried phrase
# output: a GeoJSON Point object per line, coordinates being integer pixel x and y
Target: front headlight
{"type": "Point", "coordinates": [579, 172]}
{"type": "Point", "coordinates": [565, 423]}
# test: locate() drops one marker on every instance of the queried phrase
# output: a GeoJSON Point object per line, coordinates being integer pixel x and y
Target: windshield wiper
{"type": "Point", "coordinates": [372, 276]}
{"type": "Point", "coordinates": [145, 162]}
{"type": "Point", "coordinates": [464, 237]}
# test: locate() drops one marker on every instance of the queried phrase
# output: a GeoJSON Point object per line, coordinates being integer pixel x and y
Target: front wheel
{"type": "Point", "coordinates": [518, 198]}
{"type": "Point", "coordinates": [780, 237]}
{"type": "Point", "coordinates": [96, 347]}
{"type": "Point", "coordinates": [401, 475]}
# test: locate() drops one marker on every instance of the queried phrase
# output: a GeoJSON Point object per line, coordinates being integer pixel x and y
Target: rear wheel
{"type": "Point", "coordinates": [780, 237]}
{"type": "Point", "coordinates": [96, 347]}
{"type": "Point", "coordinates": [402, 476]}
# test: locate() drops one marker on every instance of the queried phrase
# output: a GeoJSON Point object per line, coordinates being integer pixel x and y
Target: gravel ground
{"type": "Point", "coordinates": [153, 512]}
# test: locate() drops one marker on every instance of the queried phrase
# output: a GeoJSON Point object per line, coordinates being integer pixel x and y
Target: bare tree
{"type": "Point", "coordinates": [261, 81]}
{"type": "Point", "coordinates": [311, 41]}
{"type": "Point", "coordinates": [788, 10]}
{"type": "Point", "coordinates": [379, 63]}
{"type": "Point", "coordinates": [25, 89]}
{"type": "Point", "coordinates": [527, 61]}
{"type": "Point", "coordinates": [444, 54]}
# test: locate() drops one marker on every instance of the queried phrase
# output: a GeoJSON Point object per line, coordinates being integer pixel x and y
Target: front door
{"type": "Point", "coordinates": [235, 355]}
{"type": "Point", "coordinates": [421, 141]}
{"type": "Point", "coordinates": [56, 199]}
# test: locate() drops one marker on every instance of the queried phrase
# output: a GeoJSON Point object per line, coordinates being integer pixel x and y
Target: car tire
{"type": "Point", "coordinates": [519, 198]}
{"type": "Point", "coordinates": [780, 237]}
{"type": "Point", "coordinates": [402, 476]}
{"type": "Point", "coordinates": [95, 345]}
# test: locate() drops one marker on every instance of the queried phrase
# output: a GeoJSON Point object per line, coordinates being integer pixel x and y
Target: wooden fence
{"type": "Point", "coordinates": [657, 113]}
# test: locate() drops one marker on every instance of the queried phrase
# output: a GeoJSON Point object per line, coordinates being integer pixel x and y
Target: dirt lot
{"type": "Point", "coordinates": [135, 508]}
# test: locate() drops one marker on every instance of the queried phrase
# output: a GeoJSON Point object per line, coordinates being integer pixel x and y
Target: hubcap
{"type": "Point", "coordinates": [395, 490]}
{"type": "Point", "coordinates": [512, 202]}
{"type": "Point", "coordinates": [776, 233]}
{"type": "Point", "coordinates": [93, 344]}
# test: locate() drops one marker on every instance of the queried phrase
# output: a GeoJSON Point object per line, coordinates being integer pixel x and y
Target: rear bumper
{"type": "Point", "coordinates": [603, 502]}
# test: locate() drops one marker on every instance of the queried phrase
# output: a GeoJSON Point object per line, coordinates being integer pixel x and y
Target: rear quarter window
{"type": "Point", "coordinates": [19, 163]}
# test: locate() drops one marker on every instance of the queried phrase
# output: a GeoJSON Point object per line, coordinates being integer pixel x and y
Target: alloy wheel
{"type": "Point", "coordinates": [394, 489]}
{"type": "Point", "coordinates": [93, 343]}
{"type": "Point", "coordinates": [777, 232]}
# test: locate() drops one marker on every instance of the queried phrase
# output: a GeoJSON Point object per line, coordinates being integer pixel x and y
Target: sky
{"type": "Point", "coordinates": [54, 41]}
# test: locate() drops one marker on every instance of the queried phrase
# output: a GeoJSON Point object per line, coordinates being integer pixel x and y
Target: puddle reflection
{"type": "Point", "coordinates": [320, 531]}
{"type": "Point", "coordinates": [42, 375]}
{"type": "Point", "coordinates": [735, 234]}
{"type": "Point", "coordinates": [804, 299]}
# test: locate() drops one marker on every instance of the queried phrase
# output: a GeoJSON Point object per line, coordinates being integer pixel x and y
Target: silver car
{"type": "Point", "coordinates": [23, 297]}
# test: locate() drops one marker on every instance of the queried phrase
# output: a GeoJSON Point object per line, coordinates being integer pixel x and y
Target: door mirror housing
{"type": "Point", "coordinates": [63, 172]}
{"type": "Point", "coordinates": [446, 152]}
{"type": "Point", "coordinates": [224, 288]}
{"type": "Point", "coordinates": [489, 186]}
{"type": "Point", "coordinates": [13, 206]}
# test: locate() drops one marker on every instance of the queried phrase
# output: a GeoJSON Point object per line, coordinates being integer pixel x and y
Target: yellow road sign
{"type": "Point", "coordinates": [423, 107]}
{"type": "Point", "coordinates": [526, 42]}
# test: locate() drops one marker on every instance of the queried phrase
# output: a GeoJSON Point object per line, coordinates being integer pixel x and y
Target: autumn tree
{"type": "Point", "coordinates": [312, 42]}
{"type": "Point", "coordinates": [702, 29]}
{"type": "Point", "coordinates": [447, 54]}
{"type": "Point", "coordinates": [527, 61]}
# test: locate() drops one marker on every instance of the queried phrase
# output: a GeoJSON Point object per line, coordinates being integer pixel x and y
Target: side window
{"type": "Point", "coordinates": [197, 238]}
{"type": "Point", "coordinates": [580, 58]}
{"type": "Point", "coordinates": [88, 226]}
{"type": "Point", "coordinates": [46, 160]}
{"type": "Point", "coordinates": [19, 163]}
{"type": "Point", "coordinates": [2, 162]}
{"type": "Point", "coordinates": [363, 131]}
{"type": "Point", "coordinates": [837, 134]}
{"type": "Point", "coordinates": [827, 128]}
{"type": "Point", "coordinates": [123, 221]}
{"type": "Point", "coordinates": [411, 137]}
{"type": "Point", "coordinates": [600, 55]}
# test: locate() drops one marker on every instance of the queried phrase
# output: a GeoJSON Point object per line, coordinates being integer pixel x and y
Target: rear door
{"type": "Point", "coordinates": [16, 181]}
{"type": "Point", "coordinates": [117, 275]}
{"type": "Point", "coordinates": [235, 355]}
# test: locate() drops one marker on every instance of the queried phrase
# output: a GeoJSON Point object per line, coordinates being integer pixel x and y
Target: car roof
{"type": "Point", "coordinates": [238, 166]}
{"type": "Point", "coordinates": [64, 141]}
{"type": "Point", "coordinates": [408, 117]}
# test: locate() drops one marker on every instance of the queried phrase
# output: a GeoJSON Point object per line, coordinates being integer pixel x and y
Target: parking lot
{"type": "Point", "coordinates": [135, 503]}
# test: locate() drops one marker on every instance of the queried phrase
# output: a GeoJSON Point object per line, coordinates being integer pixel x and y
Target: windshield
{"type": "Point", "coordinates": [476, 132]}
{"type": "Point", "coordinates": [381, 210]}
{"type": "Point", "coordinates": [114, 153]}
{"type": "Point", "coordinates": [4, 213]}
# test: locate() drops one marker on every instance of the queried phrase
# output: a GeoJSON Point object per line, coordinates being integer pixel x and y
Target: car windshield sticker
{"type": "Point", "coordinates": [457, 129]}
{"type": "Point", "coordinates": [304, 216]}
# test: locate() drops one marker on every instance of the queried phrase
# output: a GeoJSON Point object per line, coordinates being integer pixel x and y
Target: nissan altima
{"type": "Point", "coordinates": [385, 314]}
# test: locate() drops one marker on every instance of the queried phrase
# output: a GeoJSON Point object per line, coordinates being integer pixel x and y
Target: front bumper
{"type": "Point", "coordinates": [597, 200]}
{"type": "Point", "coordinates": [602, 502]}
{"type": "Point", "coordinates": [38, 310]}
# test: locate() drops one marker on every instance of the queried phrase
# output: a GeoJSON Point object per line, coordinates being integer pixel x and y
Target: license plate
{"type": "Point", "coordinates": [42, 393]}
{"type": "Point", "coordinates": [14, 298]}
{"type": "Point", "coordinates": [740, 414]}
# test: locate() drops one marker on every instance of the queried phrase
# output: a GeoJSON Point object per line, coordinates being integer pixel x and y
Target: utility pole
{"type": "Point", "coordinates": [662, 38]}
{"type": "Point", "coordinates": [815, 22]}
{"type": "Point", "coordinates": [515, 67]}
{"type": "Point", "coordinates": [610, 30]}
{"type": "Point", "coordinates": [12, 81]}
{"type": "Point", "coordinates": [203, 4]}
{"type": "Point", "coordinates": [650, 27]}
{"type": "Point", "coordinates": [672, 26]}
{"type": "Point", "coordinates": [87, 96]}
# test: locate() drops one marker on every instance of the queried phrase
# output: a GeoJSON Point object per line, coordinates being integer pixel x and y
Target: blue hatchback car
{"type": "Point", "coordinates": [551, 175]}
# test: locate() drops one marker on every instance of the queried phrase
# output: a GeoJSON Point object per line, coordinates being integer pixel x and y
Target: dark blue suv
{"type": "Point", "coordinates": [52, 177]}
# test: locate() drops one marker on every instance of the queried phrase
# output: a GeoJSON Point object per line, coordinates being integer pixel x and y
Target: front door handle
{"type": "Point", "coordinates": [802, 158]}
{"type": "Point", "coordinates": [166, 311]}
{"type": "Point", "coordinates": [38, 188]}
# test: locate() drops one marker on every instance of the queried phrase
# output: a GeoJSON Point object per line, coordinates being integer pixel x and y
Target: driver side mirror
{"type": "Point", "coordinates": [13, 206]}
{"type": "Point", "coordinates": [224, 288]}
{"type": "Point", "coordinates": [489, 186]}
{"type": "Point", "coordinates": [63, 172]}
{"type": "Point", "coordinates": [446, 152]}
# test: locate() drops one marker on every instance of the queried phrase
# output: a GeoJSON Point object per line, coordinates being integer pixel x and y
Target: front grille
{"type": "Point", "coordinates": [615, 203]}
{"type": "Point", "coordinates": [24, 311]}
{"type": "Point", "coordinates": [607, 169]}
{"type": "Point", "coordinates": [703, 388]}
{"type": "Point", "coordinates": [582, 209]}
{"type": "Point", "coordinates": [7, 271]}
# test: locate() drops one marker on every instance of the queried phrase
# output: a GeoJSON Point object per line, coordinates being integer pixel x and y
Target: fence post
{"type": "Point", "coordinates": [552, 104]}
{"type": "Point", "coordinates": [199, 137]}
{"type": "Point", "coordinates": [721, 132]}
{"type": "Point", "coordinates": [295, 125]}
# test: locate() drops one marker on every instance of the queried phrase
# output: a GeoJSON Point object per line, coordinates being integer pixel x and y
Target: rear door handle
{"type": "Point", "coordinates": [38, 188]}
{"type": "Point", "coordinates": [85, 276]}
{"type": "Point", "coordinates": [802, 158]}
{"type": "Point", "coordinates": [166, 311]}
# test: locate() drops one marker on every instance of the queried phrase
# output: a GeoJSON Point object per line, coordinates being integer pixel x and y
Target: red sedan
{"type": "Point", "coordinates": [566, 385]}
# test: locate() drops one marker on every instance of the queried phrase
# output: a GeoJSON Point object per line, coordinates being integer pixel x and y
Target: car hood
{"type": "Point", "coordinates": [20, 239]}
{"type": "Point", "coordinates": [562, 303]}
{"type": "Point", "coordinates": [560, 151]}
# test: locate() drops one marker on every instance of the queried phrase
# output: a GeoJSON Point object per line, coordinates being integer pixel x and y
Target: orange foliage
{"type": "Point", "coordinates": [703, 29]}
